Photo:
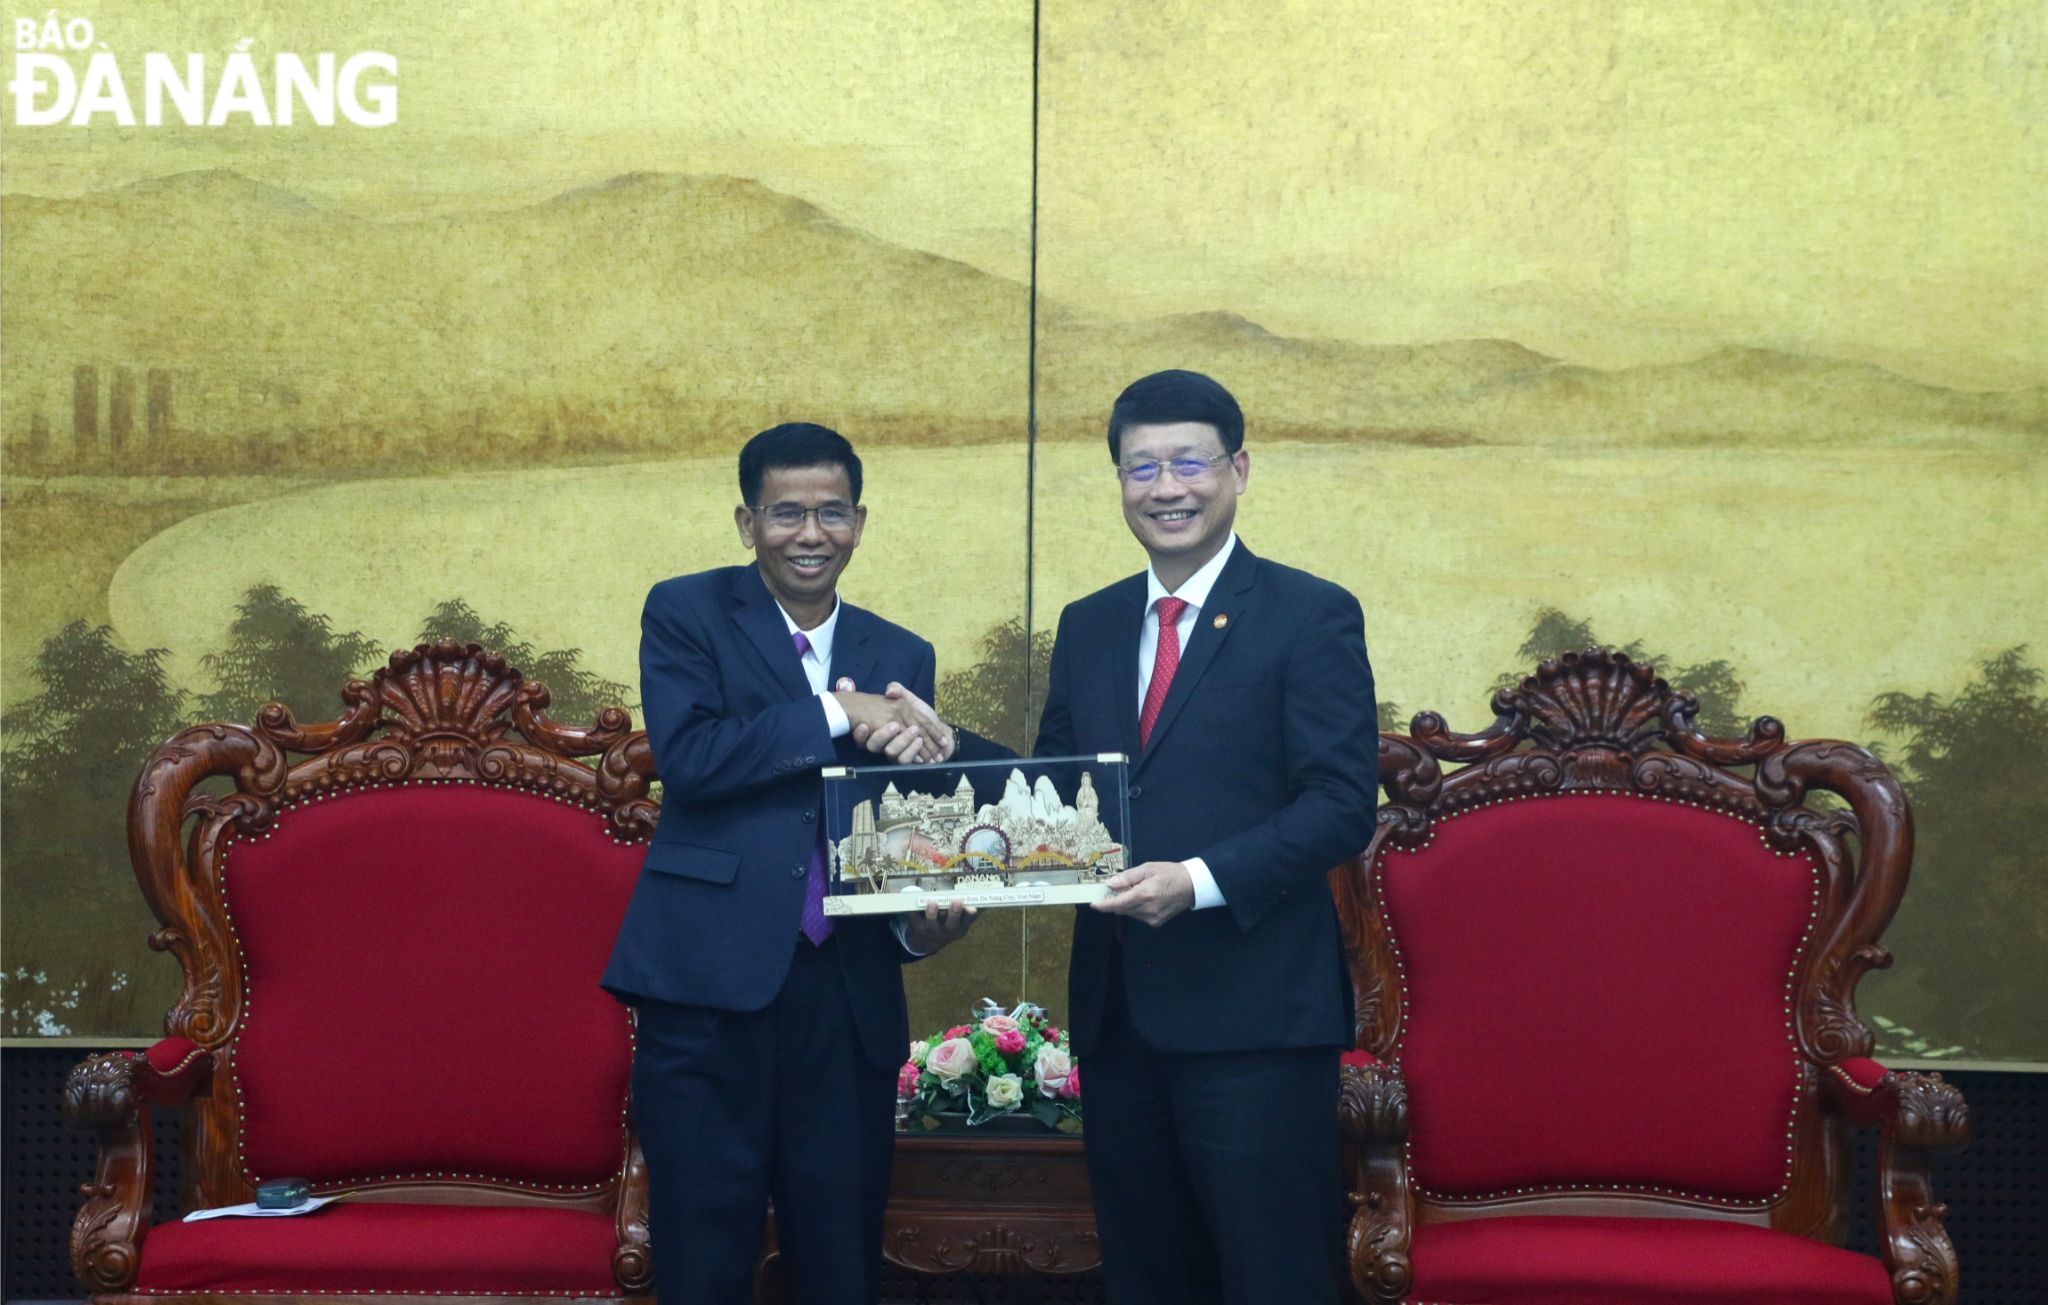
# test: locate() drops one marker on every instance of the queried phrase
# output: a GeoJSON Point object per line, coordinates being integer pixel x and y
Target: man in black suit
{"type": "Point", "coordinates": [769, 1035]}
{"type": "Point", "coordinates": [1208, 993]}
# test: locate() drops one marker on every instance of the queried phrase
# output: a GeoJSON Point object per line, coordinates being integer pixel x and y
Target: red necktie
{"type": "Point", "coordinates": [1164, 663]}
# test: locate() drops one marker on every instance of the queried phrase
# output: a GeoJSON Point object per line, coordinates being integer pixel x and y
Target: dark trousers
{"type": "Point", "coordinates": [1216, 1176]}
{"type": "Point", "coordinates": [734, 1108]}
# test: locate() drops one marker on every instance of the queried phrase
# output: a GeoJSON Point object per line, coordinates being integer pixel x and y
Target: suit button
{"type": "Point", "coordinates": [796, 872]}
{"type": "Point", "coordinates": [810, 817]}
{"type": "Point", "coordinates": [810, 761]}
{"type": "Point", "coordinates": [1136, 792]}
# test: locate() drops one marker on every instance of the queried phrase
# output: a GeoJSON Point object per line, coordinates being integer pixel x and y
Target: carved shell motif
{"type": "Point", "coordinates": [448, 703]}
{"type": "Point", "coordinates": [1590, 699]}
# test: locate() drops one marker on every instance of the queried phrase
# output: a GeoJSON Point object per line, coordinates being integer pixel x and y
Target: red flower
{"type": "Point", "coordinates": [958, 1031]}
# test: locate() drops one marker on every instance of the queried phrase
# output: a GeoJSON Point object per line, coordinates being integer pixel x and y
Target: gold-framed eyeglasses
{"type": "Point", "coordinates": [835, 517]}
{"type": "Point", "coordinates": [1187, 470]}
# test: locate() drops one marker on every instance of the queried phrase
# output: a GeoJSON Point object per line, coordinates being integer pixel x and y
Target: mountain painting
{"type": "Point", "coordinates": [1517, 370]}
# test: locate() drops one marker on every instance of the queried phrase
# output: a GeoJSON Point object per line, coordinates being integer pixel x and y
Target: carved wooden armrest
{"type": "Point", "coordinates": [110, 1094]}
{"type": "Point", "coordinates": [1917, 1114]}
{"type": "Point", "coordinates": [1372, 1102]}
{"type": "Point", "coordinates": [633, 1257]}
{"type": "Point", "coordinates": [1372, 1117]}
{"type": "Point", "coordinates": [1922, 1110]}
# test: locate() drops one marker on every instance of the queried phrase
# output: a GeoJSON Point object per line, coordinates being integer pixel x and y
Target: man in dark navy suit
{"type": "Point", "coordinates": [769, 1035]}
{"type": "Point", "coordinates": [1208, 993]}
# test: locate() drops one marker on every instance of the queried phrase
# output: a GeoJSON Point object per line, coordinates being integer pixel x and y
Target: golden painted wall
{"type": "Point", "coordinates": [1719, 329]}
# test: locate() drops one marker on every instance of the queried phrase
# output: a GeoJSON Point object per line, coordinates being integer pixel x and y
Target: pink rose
{"type": "Point", "coordinates": [996, 1025]}
{"type": "Point", "coordinates": [950, 1060]}
{"type": "Point", "coordinates": [958, 1031]}
{"type": "Point", "coordinates": [1052, 1069]}
{"type": "Point", "coordinates": [906, 1079]}
{"type": "Point", "coordinates": [1010, 1041]}
{"type": "Point", "coordinates": [1071, 1089]}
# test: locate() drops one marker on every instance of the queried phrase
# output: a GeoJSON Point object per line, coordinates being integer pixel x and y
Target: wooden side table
{"type": "Point", "coordinates": [1000, 1203]}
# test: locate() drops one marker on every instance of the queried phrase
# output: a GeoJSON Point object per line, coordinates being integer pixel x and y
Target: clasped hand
{"type": "Point", "coordinates": [897, 724]}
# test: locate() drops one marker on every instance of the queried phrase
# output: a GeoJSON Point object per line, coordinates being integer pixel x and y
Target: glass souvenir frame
{"type": "Point", "coordinates": [1032, 831]}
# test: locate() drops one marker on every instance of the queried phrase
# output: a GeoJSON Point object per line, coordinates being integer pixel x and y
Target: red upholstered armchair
{"type": "Point", "coordinates": [1606, 973]}
{"type": "Point", "coordinates": [391, 948]}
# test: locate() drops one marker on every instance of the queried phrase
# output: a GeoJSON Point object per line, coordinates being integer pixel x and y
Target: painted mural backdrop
{"type": "Point", "coordinates": [1719, 331]}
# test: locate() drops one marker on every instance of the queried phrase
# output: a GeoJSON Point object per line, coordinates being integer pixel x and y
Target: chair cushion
{"type": "Point", "coordinates": [421, 966]}
{"type": "Point", "coordinates": [1569, 1260]}
{"type": "Point", "coordinates": [1596, 995]}
{"type": "Point", "coordinates": [407, 1249]}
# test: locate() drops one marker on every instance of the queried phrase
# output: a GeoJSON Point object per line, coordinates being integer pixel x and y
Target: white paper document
{"type": "Point", "coordinates": [252, 1211]}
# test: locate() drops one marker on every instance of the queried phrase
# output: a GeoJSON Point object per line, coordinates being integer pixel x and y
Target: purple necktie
{"type": "Point", "coordinates": [813, 922]}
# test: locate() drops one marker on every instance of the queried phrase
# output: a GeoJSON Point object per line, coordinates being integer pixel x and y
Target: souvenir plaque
{"type": "Point", "coordinates": [1034, 831]}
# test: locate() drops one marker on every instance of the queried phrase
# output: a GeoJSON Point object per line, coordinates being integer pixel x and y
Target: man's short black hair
{"type": "Point", "coordinates": [795, 444]}
{"type": "Point", "coordinates": [1164, 398]}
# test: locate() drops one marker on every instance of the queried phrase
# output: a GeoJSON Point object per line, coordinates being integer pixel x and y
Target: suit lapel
{"type": "Point", "coordinates": [853, 650]}
{"type": "Point", "coordinates": [1226, 600]}
{"type": "Point", "coordinates": [1129, 628]}
{"type": "Point", "coordinates": [755, 610]}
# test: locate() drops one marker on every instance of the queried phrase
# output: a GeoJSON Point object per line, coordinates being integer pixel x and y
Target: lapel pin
{"type": "Point", "coordinates": [1220, 621]}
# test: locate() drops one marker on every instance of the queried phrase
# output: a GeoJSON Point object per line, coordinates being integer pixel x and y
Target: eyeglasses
{"type": "Point", "coordinates": [835, 517]}
{"type": "Point", "coordinates": [1185, 470]}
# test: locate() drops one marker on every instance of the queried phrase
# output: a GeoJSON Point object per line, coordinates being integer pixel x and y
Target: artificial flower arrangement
{"type": "Point", "coordinates": [998, 1065]}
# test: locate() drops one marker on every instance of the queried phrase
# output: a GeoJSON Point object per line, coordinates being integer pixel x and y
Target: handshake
{"type": "Point", "coordinates": [896, 724]}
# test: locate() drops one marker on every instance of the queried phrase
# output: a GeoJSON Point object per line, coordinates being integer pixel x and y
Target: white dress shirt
{"type": "Point", "coordinates": [818, 666]}
{"type": "Point", "coordinates": [1194, 591]}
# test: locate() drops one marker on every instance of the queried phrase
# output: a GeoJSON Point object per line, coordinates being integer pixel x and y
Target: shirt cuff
{"type": "Point", "coordinates": [835, 717]}
{"type": "Point", "coordinates": [900, 925]}
{"type": "Point", "coordinates": [1207, 894]}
